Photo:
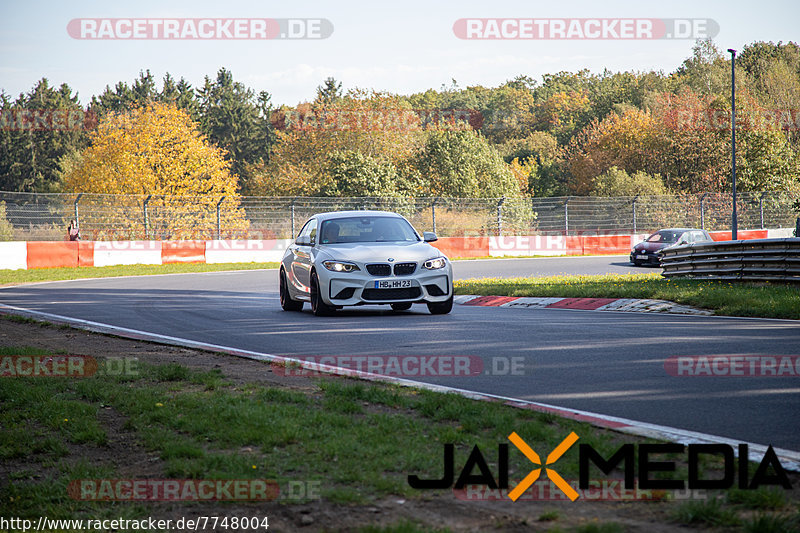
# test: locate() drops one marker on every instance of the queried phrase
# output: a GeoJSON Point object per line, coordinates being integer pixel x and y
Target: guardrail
{"type": "Point", "coordinates": [751, 260]}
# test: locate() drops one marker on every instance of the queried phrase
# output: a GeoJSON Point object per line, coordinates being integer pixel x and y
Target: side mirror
{"type": "Point", "coordinates": [303, 240]}
{"type": "Point", "coordinates": [429, 236]}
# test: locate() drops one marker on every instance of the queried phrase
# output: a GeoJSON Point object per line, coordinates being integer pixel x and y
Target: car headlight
{"type": "Point", "coordinates": [435, 264]}
{"type": "Point", "coordinates": [340, 266]}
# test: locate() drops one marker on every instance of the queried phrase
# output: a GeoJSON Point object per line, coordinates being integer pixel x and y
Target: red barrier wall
{"type": "Point", "coordinates": [52, 254]}
{"type": "Point", "coordinates": [85, 254]}
{"type": "Point", "coordinates": [744, 234]}
{"type": "Point", "coordinates": [463, 246]}
{"type": "Point", "coordinates": [598, 244]}
{"type": "Point", "coordinates": [183, 252]}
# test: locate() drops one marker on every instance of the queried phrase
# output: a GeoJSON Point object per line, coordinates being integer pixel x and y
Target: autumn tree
{"type": "Point", "coordinates": [617, 182]}
{"type": "Point", "coordinates": [156, 151]}
{"type": "Point", "coordinates": [624, 141]}
{"type": "Point", "coordinates": [767, 163]}
{"type": "Point", "coordinates": [379, 127]}
{"type": "Point", "coordinates": [355, 174]}
{"type": "Point", "coordinates": [509, 114]}
{"type": "Point", "coordinates": [706, 71]}
{"type": "Point", "coordinates": [463, 164]}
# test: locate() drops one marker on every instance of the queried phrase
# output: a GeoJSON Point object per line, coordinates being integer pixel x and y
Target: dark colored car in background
{"type": "Point", "coordinates": [646, 252]}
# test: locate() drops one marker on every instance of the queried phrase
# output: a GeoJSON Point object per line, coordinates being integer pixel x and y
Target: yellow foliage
{"type": "Point", "coordinates": [155, 151]}
{"type": "Point", "coordinates": [374, 124]}
{"type": "Point", "coordinates": [625, 141]}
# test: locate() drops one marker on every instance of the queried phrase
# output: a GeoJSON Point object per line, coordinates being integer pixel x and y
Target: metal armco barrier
{"type": "Point", "coordinates": [751, 260]}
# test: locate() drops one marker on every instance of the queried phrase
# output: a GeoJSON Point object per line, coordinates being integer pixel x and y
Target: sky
{"type": "Point", "coordinates": [397, 47]}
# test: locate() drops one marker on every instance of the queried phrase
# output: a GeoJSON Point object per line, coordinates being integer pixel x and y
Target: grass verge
{"type": "Point", "coordinates": [58, 274]}
{"type": "Point", "coordinates": [768, 300]}
{"type": "Point", "coordinates": [356, 441]}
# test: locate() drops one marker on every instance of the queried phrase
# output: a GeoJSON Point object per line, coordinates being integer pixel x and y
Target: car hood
{"type": "Point", "coordinates": [376, 252]}
{"type": "Point", "coordinates": [652, 246]}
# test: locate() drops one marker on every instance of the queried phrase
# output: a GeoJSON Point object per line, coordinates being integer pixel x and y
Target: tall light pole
{"type": "Point", "coordinates": [734, 222]}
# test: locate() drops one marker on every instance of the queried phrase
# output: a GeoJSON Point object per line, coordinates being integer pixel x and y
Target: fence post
{"type": "Point", "coordinates": [500, 216]}
{"type": "Point", "coordinates": [146, 218]}
{"type": "Point", "coordinates": [636, 198]}
{"type": "Point", "coordinates": [77, 217]}
{"type": "Point", "coordinates": [703, 211]}
{"type": "Point", "coordinates": [566, 216]}
{"type": "Point", "coordinates": [292, 210]}
{"type": "Point", "coordinates": [433, 214]}
{"type": "Point", "coordinates": [219, 226]}
{"type": "Point", "coordinates": [761, 208]}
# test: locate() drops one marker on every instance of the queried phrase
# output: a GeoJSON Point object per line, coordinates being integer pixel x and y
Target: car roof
{"type": "Point", "coordinates": [344, 214]}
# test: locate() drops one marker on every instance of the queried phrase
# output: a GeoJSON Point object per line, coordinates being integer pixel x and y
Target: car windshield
{"type": "Point", "coordinates": [665, 236]}
{"type": "Point", "coordinates": [367, 229]}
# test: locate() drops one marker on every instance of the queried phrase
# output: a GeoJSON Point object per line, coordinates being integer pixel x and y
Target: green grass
{"type": "Point", "coordinates": [57, 274]}
{"type": "Point", "coordinates": [404, 526]}
{"type": "Point", "coordinates": [759, 499]}
{"type": "Point", "coordinates": [359, 441]}
{"type": "Point", "coordinates": [723, 298]}
{"type": "Point", "coordinates": [770, 523]}
{"type": "Point", "coordinates": [708, 513]}
{"type": "Point", "coordinates": [610, 527]}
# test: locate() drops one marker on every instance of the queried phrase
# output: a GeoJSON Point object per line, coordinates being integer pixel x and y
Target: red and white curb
{"type": "Point", "coordinates": [790, 459]}
{"type": "Point", "coordinates": [634, 305]}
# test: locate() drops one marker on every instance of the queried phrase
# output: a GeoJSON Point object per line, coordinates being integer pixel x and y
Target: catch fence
{"type": "Point", "coordinates": [40, 216]}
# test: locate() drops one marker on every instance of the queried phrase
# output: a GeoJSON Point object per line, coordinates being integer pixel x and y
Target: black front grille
{"type": "Point", "coordinates": [391, 294]}
{"type": "Point", "coordinates": [379, 269]}
{"type": "Point", "coordinates": [404, 269]}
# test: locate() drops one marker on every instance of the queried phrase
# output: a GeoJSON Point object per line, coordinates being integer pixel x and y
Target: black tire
{"type": "Point", "coordinates": [318, 307]}
{"type": "Point", "coordinates": [287, 303]}
{"type": "Point", "coordinates": [402, 306]}
{"type": "Point", "coordinates": [441, 308]}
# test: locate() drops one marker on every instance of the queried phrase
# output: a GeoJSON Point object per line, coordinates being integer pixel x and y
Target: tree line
{"type": "Point", "coordinates": [570, 133]}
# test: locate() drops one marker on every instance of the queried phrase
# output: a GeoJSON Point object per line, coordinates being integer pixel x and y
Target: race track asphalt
{"type": "Point", "coordinates": [604, 362]}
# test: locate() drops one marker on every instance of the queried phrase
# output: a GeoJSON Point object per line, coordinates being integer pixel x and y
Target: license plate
{"type": "Point", "coordinates": [393, 284]}
{"type": "Point", "coordinates": [641, 257]}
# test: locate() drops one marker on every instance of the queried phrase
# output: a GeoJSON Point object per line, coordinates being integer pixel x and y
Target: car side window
{"type": "Point", "coordinates": [309, 230]}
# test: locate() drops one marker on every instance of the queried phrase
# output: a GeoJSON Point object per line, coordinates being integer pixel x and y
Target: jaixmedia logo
{"type": "Point", "coordinates": [641, 465]}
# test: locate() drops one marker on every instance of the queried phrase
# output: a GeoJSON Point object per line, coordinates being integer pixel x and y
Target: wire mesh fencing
{"type": "Point", "coordinates": [40, 216]}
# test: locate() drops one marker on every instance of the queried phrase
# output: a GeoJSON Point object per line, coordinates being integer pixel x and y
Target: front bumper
{"type": "Point", "coordinates": [648, 258]}
{"type": "Point", "coordinates": [359, 288]}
